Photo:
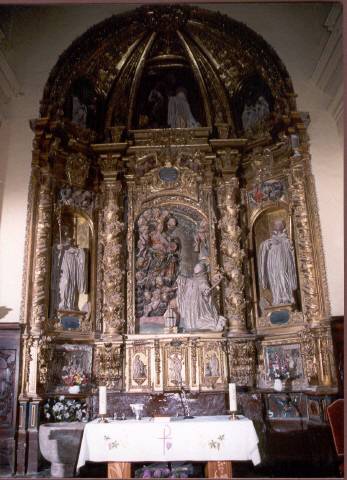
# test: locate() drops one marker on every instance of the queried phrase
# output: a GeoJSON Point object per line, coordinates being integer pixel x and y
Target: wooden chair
{"type": "Point", "coordinates": [335, 413]}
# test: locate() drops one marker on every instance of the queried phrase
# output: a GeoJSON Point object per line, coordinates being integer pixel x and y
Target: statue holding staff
{"type": "Point", "coordinates": [69, 273]}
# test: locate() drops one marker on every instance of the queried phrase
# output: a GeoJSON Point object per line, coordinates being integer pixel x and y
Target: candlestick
{"type": "Point", "coordinates": [232, 397]}
{"type": "Point", "coordinates": [102, 401]}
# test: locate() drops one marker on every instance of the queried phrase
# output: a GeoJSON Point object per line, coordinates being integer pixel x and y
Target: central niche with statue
{"type": "Point", "coordinates": [173, 293]}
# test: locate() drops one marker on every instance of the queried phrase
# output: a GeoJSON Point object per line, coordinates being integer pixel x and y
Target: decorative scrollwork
{"type": "Point", "coordinates": [77, 169]}
{"type": "Point", "coordinates": [157, 361]}
{"type": "Point", "coordinates": [44, 354]}
{"type": "Point", "coordinates": [109, 365]}
{"type": "Point", "coordinates": [242, 364]}
{"type": "Point", "coordinates": [304, 242]}
{"type": "Point", "coordinates": [309, 353]}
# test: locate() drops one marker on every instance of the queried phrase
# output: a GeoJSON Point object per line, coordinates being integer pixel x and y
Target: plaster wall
{"type": "Point", "coordinates": [36, 38]}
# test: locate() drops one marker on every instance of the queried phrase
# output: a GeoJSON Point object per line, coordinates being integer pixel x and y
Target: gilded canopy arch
{"type": "Point", "coordinates": [218, 54]}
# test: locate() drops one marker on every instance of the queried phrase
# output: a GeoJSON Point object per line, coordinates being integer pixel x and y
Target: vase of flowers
{"type": "Point", "coordinates": [74, 389]}
{"type": "Point", "coordinates": [74, 379]}
{"type": "Point", "coordinates": [65, 410]}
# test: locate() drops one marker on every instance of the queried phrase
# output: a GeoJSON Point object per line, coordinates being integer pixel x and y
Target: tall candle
{"type": "Point", "coordinates": [102, 401]}
{"type": "Point", "coordinates": [232, 397]}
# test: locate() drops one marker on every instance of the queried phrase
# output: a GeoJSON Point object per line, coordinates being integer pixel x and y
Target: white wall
{"type": "Point", "coordinates": [38, 35]}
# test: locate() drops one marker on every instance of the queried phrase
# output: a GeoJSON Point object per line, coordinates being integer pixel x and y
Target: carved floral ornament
{"type": "Point", "coordinates": [77, 169]}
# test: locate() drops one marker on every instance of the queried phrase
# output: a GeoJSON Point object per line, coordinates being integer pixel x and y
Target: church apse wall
{"type": "Point", "coordinates": [173, 238]}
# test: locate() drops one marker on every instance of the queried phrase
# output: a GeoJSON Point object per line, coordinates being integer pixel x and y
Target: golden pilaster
{"type": "Point", "coordinates": [309, 248]}
{"type": "Point", "coordinates": [42, 256]}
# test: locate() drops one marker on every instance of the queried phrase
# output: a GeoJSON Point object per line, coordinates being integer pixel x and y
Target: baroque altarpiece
{"type": "Point", "coordinates": [173, 237]}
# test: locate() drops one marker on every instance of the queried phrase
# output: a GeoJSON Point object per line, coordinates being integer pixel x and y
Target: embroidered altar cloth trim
{"type": "Point", "coordinates": [197, 439]}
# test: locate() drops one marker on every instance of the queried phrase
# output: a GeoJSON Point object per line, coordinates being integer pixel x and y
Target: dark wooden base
{"type": "Point", "coordinates": [33, 451]}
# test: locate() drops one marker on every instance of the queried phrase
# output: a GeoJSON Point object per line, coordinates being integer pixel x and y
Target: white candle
{"type": "Point", "coordinates": [102, 401]}
{"type": "Point", "coordinates": [232, 397]}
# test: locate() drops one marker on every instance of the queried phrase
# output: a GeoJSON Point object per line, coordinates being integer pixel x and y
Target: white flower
{"type": "Point", "coordinates": [48, 415]}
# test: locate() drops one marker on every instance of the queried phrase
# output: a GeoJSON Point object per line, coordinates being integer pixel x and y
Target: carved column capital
{"type": "Point", "coordinates": [228, 154]}
{"type": "Point", "coordinates": [109, 165]}
{"type": "Point", "coordinates": [110, 158]}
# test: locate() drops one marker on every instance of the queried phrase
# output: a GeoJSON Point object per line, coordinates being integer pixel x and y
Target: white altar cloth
{"type": "Point", "coordinates": [197, 439]}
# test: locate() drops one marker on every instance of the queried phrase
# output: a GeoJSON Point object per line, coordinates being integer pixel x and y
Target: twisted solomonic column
{"type": "Point", "coordinates": [231, 256]}
{"type": "Point", "coordinates": [113, 265]}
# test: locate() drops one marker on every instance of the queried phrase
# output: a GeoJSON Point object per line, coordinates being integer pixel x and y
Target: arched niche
{"type": "Point", "coordinates": [72, 282]}
{"type": "Point", "coordinates": [275, 263]}
{"type": "Point", "coordinates": [253, 107]}
{"type": "Point", "coordinates": [170, 240]}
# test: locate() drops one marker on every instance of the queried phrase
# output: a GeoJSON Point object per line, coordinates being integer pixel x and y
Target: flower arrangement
{"type": "Point", "coordinates": [74, 377]}
{"type": "Point", "coordinates": [65, 410]}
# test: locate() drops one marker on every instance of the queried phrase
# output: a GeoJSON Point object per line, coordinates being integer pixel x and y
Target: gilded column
{"type": "Point", "coordinates": [318, 355]}
{"type": "Point", "coordinates": [40, 284]}
{"type": "Point", "coordinates": [42, 256]}
{"type": "Point", "coordinates": [113, 265]}
{"type": "Point", "coordinates": [314, 288]}
{"type": "Point", "coordinates": [130, 179]}
{"type": "Point", "coordinates": [231, 253]}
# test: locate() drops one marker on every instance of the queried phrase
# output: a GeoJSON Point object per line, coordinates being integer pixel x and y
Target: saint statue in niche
{"type": "Point", "coordinates": [69, 273]}
{"type": "Point", "coordinates": [212, 366]}
{"type": "Point", "coordinates": [139, 368]}
{"type": "Point", "coordinates": [254, 115]}
{"type": "Point", "coordinates": [195, 303]}
{"type": "Point", "coordinates": [156, 104]}
{"type": "Point", "coordinates": [79, 112]}
{"type": "Point", "coordinates": [276, 265]}
{"type": "Point", "coordinates": [175, 369]}
{"type": "Point", "coordinates": [179, 114]}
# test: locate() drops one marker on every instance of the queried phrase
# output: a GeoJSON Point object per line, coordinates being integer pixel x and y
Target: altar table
{"type": "Point", "coordinates": [216, 440]}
